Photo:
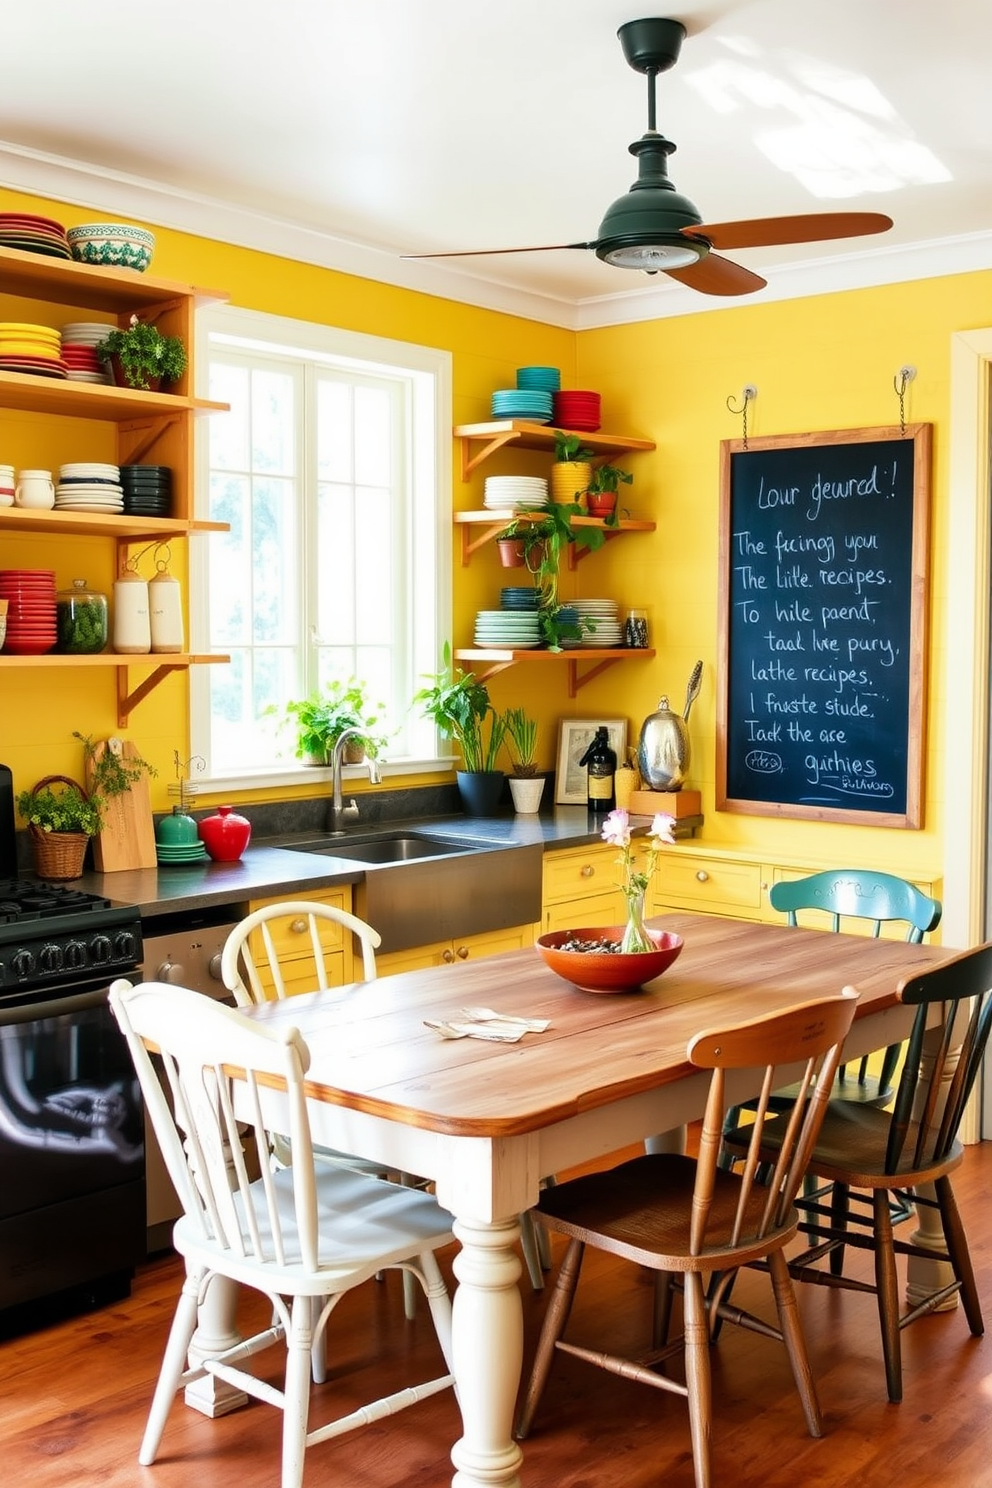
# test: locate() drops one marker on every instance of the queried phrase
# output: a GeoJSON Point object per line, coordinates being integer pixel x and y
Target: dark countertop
{"type": "Point", "coordinates": [272, 866]}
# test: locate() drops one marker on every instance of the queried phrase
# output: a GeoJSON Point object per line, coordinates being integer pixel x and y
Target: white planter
{"type": "Point", "coordinates": [526, 792]}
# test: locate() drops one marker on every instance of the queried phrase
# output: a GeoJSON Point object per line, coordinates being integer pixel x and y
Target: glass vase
{"type": "Point", "coordinates": [635, 937]}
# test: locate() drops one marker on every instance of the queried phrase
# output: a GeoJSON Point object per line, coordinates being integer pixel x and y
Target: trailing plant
{"type": "Point", "coordinates": [144, 353]}
{"type": "Point", "coordinates": [110, 773]}
{"type": "Point", "coordinates": [521, 741]}
{"type": "Point", "coordinates": [458, 704]}
{"type": "Point", "coordinates": [607, 478]}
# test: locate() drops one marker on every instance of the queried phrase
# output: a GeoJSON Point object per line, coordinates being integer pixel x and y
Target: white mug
{"type": "Point", "coordinates": [6, 485]}
{"type": "Point", "coordinates": [35, 488]}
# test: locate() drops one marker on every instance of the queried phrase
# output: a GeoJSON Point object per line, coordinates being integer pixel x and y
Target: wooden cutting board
{"type": "Point", "coordinates": [128, 836]}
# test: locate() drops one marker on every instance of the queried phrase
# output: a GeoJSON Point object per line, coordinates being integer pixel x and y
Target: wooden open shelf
{"type": "Point", "coordinates": [493, 521]}
{"type": "Point", "coordinates": [596, 659]}
{"type": "Point", "coordinates": [479, 441]}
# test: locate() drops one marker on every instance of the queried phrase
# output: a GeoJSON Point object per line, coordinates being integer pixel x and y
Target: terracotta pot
{"type": "Point", "coordinates": [601, 503]}
{"type": "Point", "coordinates": [511, 552]}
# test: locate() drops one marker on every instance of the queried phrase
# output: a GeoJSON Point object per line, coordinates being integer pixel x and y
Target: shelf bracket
{"type": "Point", "coordinates": [145, 435]}
{"type": "Point", "coordinates": [576, 680]}
{"type": "Point", "coordinates": [126, 701]}
{"type": "Point", "coordinates": [472, 545]}
{"type": "Point", "coordinates": [470, 462]}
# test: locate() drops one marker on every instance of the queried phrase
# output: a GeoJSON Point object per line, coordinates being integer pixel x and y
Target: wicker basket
{"type": "Point", "coordinates": [58, 856]}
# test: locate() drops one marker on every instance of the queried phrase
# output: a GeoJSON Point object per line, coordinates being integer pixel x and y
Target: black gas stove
{"type": "Point", "coordinates": [56, 934]}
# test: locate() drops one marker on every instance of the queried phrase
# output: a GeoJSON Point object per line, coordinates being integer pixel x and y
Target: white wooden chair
{"type": "Point", "coordinates": [303, 1235]}
{"type": "Point", "coordinates": [250, 969]}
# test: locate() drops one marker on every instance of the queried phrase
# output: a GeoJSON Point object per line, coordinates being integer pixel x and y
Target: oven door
{"type": "Point", "coordinates": [71, 1143]}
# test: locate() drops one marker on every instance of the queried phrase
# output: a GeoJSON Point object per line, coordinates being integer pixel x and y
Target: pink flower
{"type": "Point", "coordinates": [662, 829]}
{"type": "Point", "coordinates": [616, 828]}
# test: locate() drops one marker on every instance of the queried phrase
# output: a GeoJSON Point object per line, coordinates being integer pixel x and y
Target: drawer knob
{"type": "Point", "coordinates": [462, 953]}
{"type": "Point", "coordinates": [587, 871]}
{"type": "Point", "coordinates": [448, 956]}
{"type": "Point", "coordinates": [702, 876]}
{"type": "Point", "coordinates": [298, 927]}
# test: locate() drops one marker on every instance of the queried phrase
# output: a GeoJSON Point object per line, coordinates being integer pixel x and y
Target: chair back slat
{"type": "Point", "coordinates": [251, 968]}
{"type": "Point", "coordinates": [938, 1075]}
{"type": "Point", "coordinates": [862, 894]}
{"type": "Point", "coordinates": [811, 1036]}
{"type": "Point", "coordinates": [214, 1154]}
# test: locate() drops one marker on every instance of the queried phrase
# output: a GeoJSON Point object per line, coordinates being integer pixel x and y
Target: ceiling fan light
{"type": "Point", "coordinates": [652, 257]}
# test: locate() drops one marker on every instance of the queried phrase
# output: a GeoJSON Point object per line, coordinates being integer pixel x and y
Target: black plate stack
{"type": "Point", "coordinates": [147, 490]}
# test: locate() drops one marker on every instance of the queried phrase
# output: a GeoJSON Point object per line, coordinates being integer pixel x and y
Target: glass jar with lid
{"type": "Point", "coordinates": [81, 620]}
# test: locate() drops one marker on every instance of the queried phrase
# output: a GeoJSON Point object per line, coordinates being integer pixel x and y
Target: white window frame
{"type": "Point", "coordinates": [429, 527]}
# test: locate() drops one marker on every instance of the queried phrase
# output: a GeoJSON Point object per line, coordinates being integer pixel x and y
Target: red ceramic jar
{"type": "Point", "coordinates": [226, 835]}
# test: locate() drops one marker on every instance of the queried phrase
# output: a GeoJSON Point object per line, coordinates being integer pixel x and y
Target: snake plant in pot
{"type": "Point", "coordinates": [458, 704]}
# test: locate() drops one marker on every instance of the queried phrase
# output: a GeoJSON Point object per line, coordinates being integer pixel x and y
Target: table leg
{"type": "Point", "coordinates": [216, 1330]}
{"type": "Point", "coordinates": [487, 1344]}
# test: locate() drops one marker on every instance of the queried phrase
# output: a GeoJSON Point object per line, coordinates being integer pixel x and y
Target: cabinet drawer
{"type": "Point", "coordinates": [580, 914]}
{"type": "Point", "coordinates": [708, 883]}
{"type": "Point", "coordinates": [575, 875]}
{"type": "Point", "coordinates": [291, 935]}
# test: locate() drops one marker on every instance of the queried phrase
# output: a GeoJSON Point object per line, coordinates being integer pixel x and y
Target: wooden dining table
{"type": "Point", "coordinates": [487, 1121]}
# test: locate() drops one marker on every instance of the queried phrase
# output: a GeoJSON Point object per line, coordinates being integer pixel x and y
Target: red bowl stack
{"type": "Point", "coordinates": [577, 410]}
{"type": "Point", "coordinates": [30, 595]}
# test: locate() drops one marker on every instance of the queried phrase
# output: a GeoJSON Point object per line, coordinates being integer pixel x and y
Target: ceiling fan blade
{"type": "Point", "coordinates": [718, 276]}
{"type": "Point", "coordinates": [807, 227]}
{"type": "Point", "coordinates": [486, 252]}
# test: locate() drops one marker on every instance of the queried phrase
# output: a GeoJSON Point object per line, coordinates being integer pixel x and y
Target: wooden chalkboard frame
{"type": "Point", "coordinates": [911, 616]}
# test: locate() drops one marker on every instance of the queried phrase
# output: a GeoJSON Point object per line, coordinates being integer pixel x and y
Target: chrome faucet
{"type": "Point", "coordinates": [340, 813]}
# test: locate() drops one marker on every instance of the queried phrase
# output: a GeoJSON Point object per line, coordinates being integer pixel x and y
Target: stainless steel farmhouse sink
{"type": "Point", "coordinates": [399, 849]}
{"type": "Point", "coordinates": [420, 888]}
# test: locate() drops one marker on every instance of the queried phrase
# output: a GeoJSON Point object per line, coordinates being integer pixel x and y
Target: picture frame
{"type": "Point", "coordinates": [574, 737]}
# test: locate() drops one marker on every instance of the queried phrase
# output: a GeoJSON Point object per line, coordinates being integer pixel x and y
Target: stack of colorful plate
{"type": "Point", "coordinates": [33, 234]}
{"type": "Point", "coordinates": [89, 486]}
{"type": "Point", "coordinates": [534, 406]}
{"type": "Point", "coordinates": [545, 379]}
{"type": "Point", "coordinates": [518, 597]}
{"type": "Point", "coordinates": [511, 630]}
{"type": "Point", "coordinates": [80, 339]}
{"type": "Point", "coordinates": [599, 622]}
{"type": "Point", "coordinates": [182, 852]}
{"type": "Point", "coordinates": [30, 596]}
{"type": "Point", "coordinates": [515, 492]}
{"type": "Point", "coordinates": [31, 348]}
{"type": "Point", "coordinates": [147, 490]}
{"type": "Point", "coordinates": [574, 410]}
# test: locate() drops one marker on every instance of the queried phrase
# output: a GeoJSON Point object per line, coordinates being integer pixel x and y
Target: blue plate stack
{"type": "Point", "coordinates": [540, 379]}
{"type": "Point", "coordinates": [522, 403]}
{"type": "Point", "coordinates": [518, 598]}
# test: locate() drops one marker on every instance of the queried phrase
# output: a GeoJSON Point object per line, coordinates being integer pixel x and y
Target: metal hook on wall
{"type": "Point", "coordinates": [748, 393]}
{"type": "Point", "coordinates": [901, 382]}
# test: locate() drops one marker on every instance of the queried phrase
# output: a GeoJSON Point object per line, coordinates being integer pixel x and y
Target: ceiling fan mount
{"type": "Point", "coordinates": [656, 229]}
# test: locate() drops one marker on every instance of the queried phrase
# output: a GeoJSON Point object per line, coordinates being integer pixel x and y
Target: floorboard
{"type": "Point", "coordinates": [73, 1396]}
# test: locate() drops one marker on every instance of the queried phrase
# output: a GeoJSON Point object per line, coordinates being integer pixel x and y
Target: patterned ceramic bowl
{"type": "Point", "coordinates": [112, 244]}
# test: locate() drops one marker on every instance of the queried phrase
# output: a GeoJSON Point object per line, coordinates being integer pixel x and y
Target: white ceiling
{"type": "Point", "coordinates": [350, 132]}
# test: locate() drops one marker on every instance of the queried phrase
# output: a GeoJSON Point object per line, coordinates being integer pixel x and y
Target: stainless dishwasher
{"type": "Point", "coordinates": [183, 948]}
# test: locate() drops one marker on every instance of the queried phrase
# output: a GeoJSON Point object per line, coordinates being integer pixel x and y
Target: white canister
{"type": "Point", "coordinates": [132, 627]}
{"type": "Point", "coordinates": [166, 612]}
{"type": "Point", "coordinates": [35, 489]}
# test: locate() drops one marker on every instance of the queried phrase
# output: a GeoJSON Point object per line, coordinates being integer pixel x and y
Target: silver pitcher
{"type": "Point", "coordinates": [663, 750]}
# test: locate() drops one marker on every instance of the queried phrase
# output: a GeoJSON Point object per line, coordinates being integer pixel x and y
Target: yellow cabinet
{"type": "Point", "coordinates": [581, 888]}
{"type": "Point", "coordinates": [291, 938]}
{"type": "Point", "coordinates": [450, 952]}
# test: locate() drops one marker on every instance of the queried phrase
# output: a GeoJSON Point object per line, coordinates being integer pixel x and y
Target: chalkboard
{"type": "Point", "coordinates": [823, 602]}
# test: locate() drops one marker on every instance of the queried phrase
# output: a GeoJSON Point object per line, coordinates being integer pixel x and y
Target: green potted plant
{"type": "Point", "coordinates": [548, 532]}
{"type": "Point", "coordinates": [572, 470]}
{"type": "Point", "coordinates": [458, 704]}
{"type": "Point", "coordinates": [60, 824]}
{"type": "Point", "coordinates": [526, 785]}
{"type": "Point", "coordinates": [319, 721]}
{"type": "Point", "coordinates": [602, 492]}
{"type": "Point", "coordinates": [142, 356]}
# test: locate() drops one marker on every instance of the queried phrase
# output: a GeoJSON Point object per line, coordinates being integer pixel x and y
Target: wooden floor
{"type": "Point", "coordinates": [73, 1397]}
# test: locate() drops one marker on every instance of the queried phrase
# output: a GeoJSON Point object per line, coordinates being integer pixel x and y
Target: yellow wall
{"type": "Point", "coordinates": [819, 363]}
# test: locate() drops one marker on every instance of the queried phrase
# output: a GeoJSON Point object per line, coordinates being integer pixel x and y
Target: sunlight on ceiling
{"type": "Point", "coordinates": [834, 131]}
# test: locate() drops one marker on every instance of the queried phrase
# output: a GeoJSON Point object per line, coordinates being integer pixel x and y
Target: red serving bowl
{"type": "Point", "coordinates": [608, 971]}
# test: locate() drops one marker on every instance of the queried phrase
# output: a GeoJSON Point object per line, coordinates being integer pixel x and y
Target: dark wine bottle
{"type": "Point", "coordinates": [601, 769]}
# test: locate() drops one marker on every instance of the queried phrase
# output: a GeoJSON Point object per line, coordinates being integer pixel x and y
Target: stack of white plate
{"type": "Point", "coordinates": [79, 338]}
{"type": "Point", "coordinates": [89, 486]}
{"type": "Point", "coordinates": [599, 622]}
{"type": "Point", "coordinates": [515, 492]}
{"type": "Point", "coordinates": [509, 630]}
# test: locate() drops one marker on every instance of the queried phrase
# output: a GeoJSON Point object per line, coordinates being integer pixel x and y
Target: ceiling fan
{"type": "Point", "coordinates": [656, 229]}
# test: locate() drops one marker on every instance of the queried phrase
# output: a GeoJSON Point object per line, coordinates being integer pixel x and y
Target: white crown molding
{"type": "Point", "coordinates": [98, 189]}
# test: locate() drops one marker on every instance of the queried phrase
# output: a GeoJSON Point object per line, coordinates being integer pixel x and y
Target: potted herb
{"type": "Point", "coordinates": [458, 704]}
{"type": "Point", "coordinates": [142, 357]}
{"type": "Point", "coordinates": [602, 491]}
{"type": "Point", "coordinates": [319, 721]}
{"type": "Point", "coordinates": [526, 785]}
{"type": "Point", "coordinates": [60, 824]}
{"type": "Point", "coordinates": [572, 470]}
{"type": "Point", "coordinates": [549, 532]}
